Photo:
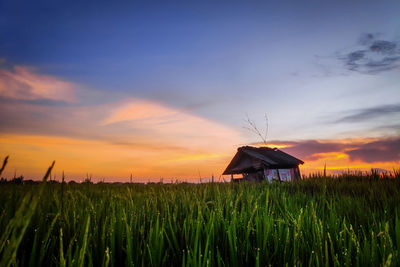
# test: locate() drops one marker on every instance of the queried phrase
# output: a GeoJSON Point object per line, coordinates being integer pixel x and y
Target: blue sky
{"type": "Point", "coordinates": [315, 67]}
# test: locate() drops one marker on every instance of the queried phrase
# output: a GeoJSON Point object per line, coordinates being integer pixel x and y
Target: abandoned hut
{"type": "Point", "coordinates": [263, 163]}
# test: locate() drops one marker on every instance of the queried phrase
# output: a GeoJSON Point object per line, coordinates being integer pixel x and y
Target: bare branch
{"type": "Point", "coordinates": [252, 127]}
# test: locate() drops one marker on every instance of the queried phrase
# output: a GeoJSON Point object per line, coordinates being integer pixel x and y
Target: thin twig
{"type": "Point", "coordinates": [252, 127]}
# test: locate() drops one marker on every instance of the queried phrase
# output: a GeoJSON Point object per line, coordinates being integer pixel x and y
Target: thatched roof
{"type": "Point", "coordinates": [249, 159]}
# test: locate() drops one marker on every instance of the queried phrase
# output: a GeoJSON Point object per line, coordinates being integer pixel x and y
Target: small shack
{"type": "Point", "coordinates": [263, 163]}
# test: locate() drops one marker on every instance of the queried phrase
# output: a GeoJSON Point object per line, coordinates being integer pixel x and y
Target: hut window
{"type": "Point", "coordinates": [285, 175]}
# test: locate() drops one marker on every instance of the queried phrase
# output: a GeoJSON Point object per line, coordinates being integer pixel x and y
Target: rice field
{"type": "Point", "coordinates": [320, 221]}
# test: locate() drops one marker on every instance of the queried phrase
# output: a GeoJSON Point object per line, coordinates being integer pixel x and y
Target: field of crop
{"type": "Point", "coordinates": [351, 220]}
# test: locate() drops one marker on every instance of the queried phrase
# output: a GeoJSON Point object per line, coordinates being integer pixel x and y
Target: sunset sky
{"type": "Point", "coordinates": [163, 90]}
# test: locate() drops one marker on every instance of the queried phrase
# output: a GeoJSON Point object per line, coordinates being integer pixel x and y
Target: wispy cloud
{"type": "Point", "coordinates": [372, 55]}
{"type": "Point", "coordinates": [361, 115]}
{"type": "Point", "coordinates": [164, 122]}
{"type": "Point", "coordinates": [22, 83]}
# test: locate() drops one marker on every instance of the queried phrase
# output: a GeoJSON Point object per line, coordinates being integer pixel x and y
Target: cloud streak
{"type": "Point", "coordinates": [370, 113]}
{"type": "Point", "coordinates": [372, 55]}
{"type": "Point", "coordinates": [23, 84]}
{"type": "Point", "coordinates": [165, 122]}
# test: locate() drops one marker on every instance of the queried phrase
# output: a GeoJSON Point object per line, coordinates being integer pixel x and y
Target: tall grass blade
{"type": "Point", "coordinates": [4, 165]}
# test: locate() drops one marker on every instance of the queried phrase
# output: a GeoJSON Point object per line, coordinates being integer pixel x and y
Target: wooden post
{"type": "Point", "coordinates": [298, 172]}
{"type": "Point", "coordinates": [279, 176]}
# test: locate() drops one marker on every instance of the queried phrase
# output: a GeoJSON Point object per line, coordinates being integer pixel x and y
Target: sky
{"type": "Point", "coordinates": [163, 90]}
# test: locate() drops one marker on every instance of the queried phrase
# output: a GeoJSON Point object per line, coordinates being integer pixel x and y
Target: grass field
{"type": "Point", "coordinates": [351, 220]}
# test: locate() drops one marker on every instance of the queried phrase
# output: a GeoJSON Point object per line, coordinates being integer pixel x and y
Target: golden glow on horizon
{"type": "Point", "coordinates": [331, 156]}
{"type": "Point", "coordinates": [338, 161]}
{"type": "Point", "coordinates": [272, 145]}
{"type": "Point", "coordinates": [31, 155]}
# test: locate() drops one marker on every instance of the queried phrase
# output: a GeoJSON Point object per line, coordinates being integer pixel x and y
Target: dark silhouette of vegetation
{"type": "Point", "coordinates": [347, 219]}
{"type": "Point", "coordinates": [351, 218]}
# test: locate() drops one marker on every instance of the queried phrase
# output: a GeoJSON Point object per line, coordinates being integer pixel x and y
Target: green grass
{"type": "Point", "coordinates": [350, 220]}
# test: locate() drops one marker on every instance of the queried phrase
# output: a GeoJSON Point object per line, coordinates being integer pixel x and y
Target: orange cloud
{"type": "Point", "coordinates": [170, 124]}
{"type": "Point", "coordinates": [23, 84]}
{"type": "Point", "coordinates": [140, 110]}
